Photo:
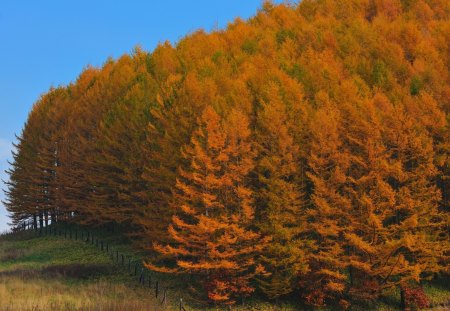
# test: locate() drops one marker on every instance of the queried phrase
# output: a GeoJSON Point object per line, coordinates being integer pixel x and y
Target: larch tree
{"type": "Point", "coordinates": [328, 217]}
{"type": "Point", "coordinates": [40, 168]}
{"type": "Point", "coordinates": [169, 128]}
{"type": "Point", "coordinates": [19, 203]}
{"type": "Point", "coordinates": [416, 238]}
{"type": "Point", "coordinates": [281, 198]}
{"type": "Point", "coordinates": [214, 209]}
{"type": "Point", "coordinates": [76, 148]}
{"type": "Point", "coordinates": [366, 188]}
{"type": "Point", "coordinates": [117, 149]}
{"type": "Point", "coordinates": [102, 192]}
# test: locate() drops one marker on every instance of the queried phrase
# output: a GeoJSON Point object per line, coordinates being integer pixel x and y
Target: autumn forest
{"type": "Point", "coordinates": [303, 153]}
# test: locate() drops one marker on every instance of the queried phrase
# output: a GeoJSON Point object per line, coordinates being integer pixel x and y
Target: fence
{"type": "Point", "coordinates": [133, 266]}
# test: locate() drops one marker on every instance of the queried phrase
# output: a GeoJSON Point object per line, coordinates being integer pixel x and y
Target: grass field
{"type": "Point", "coordinates": [52, 273]}
{"type": "Point", "coordinates": [56, 273]}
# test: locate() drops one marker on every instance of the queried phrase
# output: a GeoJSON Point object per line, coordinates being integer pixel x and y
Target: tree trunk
{"type": "Point", "coordinates": [41, 220]}
{"type": "Point", "coordinates": [53, 216]}
{"type": "Point", "coordinates": [350, 273]}
{"type": "Point", "coordinates": [402, 298]}
{"type": "Point", "coordinates": [35, 222]}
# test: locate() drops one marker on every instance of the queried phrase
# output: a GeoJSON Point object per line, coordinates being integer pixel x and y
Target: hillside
{"type": "Point", "coordinates": [303, 154]}
{"type": "Point", "coordinates": [53, 273]}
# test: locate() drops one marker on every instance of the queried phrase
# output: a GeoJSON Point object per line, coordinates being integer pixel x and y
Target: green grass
{"type": "Point", "coordinates": [438, 291]}
{"type": "Point", "coordinates": [53, 273]}
{"type": "Point", "coordinates": [47, 272]}
{"type": "Point", "coordinates": [36, 253]}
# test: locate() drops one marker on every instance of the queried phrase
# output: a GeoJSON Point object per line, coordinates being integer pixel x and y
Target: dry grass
{"type": "Point", "coordinates": [24, 292]}
{"type": "Point", "coordinates": [50, 273]}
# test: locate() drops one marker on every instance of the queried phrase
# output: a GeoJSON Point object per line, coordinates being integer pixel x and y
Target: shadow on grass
{"type": "Point", "coordinates": [11, 254]}
{"type": "Point", "coordinates": [74, 271]}
{"type": "Point", "coordinates": [78, 271]}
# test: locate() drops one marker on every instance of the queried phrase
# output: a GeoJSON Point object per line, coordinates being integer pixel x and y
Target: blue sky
{"type": "Point", "coordinates": [47, 43]}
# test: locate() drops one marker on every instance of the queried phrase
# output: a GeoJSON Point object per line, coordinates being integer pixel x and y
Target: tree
{"type": "Point", "coordinates": [281, 198]}
{"type": "Point", "coordinates": [120, 188]}
{"type": "Point", "coordinates": [19, 204]}
{"type": "Point", "coordinates": [214, 209]}
{"type": "Point", "coordinates": [328, 219]}
{"type": "Point", "coordinates": [415, 237]}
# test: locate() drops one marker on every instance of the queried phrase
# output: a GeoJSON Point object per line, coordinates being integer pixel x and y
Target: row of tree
{"type": "Point", "coordinates": [303, 151]}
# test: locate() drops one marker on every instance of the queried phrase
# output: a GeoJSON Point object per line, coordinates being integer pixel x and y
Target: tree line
{"type": "Point", "coordinates": [304, 151]}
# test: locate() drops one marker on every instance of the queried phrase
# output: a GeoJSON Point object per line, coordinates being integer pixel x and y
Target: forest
{"type": "Point", "coordinates": [303, 152]}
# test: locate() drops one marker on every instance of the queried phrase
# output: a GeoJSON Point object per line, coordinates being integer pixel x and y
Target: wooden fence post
{"type": "Point", "coordinates": [163, 300]}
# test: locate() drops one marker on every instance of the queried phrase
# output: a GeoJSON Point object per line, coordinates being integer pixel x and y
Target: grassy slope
{"type": "Point", "coordinates": [54, 273]}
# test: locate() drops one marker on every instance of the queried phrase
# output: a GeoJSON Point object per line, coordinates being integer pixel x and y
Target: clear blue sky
{"type": "Point", "coordinates": [47, 43]}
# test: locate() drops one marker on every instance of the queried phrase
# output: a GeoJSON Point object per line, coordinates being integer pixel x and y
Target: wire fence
{"type": "Point", "coordinates": [134, 266]}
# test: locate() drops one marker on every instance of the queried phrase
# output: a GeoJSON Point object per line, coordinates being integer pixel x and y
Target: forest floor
{"type": "Point", "coordinates": [53, 272]}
